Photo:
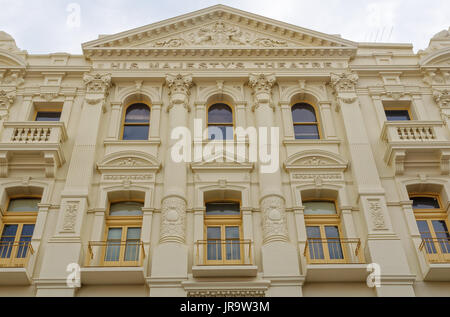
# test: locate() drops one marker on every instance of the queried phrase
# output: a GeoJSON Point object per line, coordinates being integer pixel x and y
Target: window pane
{"type": "Point", "coordinates": [48, 116]}
{"type": "Point", "coordinates": [136, 132]}
{"type": "Point", "coordinates": [441, 230]}
{"type": "Point", "coordinates": [233, 243]}
{"type": "Point", "coordinates": [24, 205]}
{"type": "Point", "coordinates": [214, 249]}
{"type": "Point", "coordinates": [320, 208]}
{"type": "Point", "coordinates": [126, 209]}
{"type": "Point", "coordinates": [220, 113]}
{"type": "Point", "coordinates": [133, 244]}
{"type": "Point", "coordinates": [112, 253]}
{"type": "Point", "coordinates": [306, 132]}
{"type": "Point", "coordinates": [223, 209]}
{"type": "Point", "coordinates": [334, 243]}
{"type": "Point", "coordinates": [7, 240]}
{"type": "Point", "coordinates": [138, 113]}
{"type": "Point", "coordinates": [397, 115]}
{"type": "Point", "coordinates": [303, 113]}
{"type": "Point", "coordinates": [425, 203]}
{"type": "Point", "coordinates": [220, 133]}
{"type": "Point", "coordinates": [25, 240]}
{"type": "Point", "coordinates": [426, 237]}
{"type": "Point", "coordinates": [315, 243]}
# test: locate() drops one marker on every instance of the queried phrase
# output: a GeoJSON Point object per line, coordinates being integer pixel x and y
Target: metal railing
{"type": "Point", "coordinates": [223, 252]}
{"type": "Point", "coordinates": [115, 254]}
{"type": "Point", "coordinates": [334, 251]}
{"type": "Point", "coordinates": [436, 250]}
{"type": "Point", "coordinates": [15, 254]}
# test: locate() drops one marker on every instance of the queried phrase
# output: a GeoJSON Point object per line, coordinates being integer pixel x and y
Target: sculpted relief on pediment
{"type": "Point", "coordinates": [218, 34]}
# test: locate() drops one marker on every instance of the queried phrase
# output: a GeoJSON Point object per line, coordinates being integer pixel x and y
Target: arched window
{"type": "Point", "coordinates": [123, 235]}
{"type": "Point", "coordinates": [18, 228]}
{"type": "Point", "coordinates": [432, 221]}
{"type": "Point", "coordinates": [223, 224]}
{"type": "Point", "coordinates": [220, 122]}
{"type": "Point", "coordinates": [306, 125]}
{"type": "Point", "coordinates": [136, 123]}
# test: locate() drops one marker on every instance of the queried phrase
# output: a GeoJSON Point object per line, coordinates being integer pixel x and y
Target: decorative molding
{"type": "Point", "coordinates": [376, 212]}
{"type": "Point", "coordinates": [274, 220]}
{"type": "Point", "coordinates": [70, 216]}
{"type": "Point", "coordinates": [225, 293]}
{"type": "Point", "coordinates": [344, 82]}
{"type": "Point", "coordinates": [173, 223]}
{"type": "Point", "coordinates": [179, 90]}
{"type": "Point", "coordinates": [97, 83]}
{"type": "Point", "coordinates": [7, 99]}
{"type": "Point", "coordinates": [262, 85]}
{"type": "Point", "coordinates": [442, 98]}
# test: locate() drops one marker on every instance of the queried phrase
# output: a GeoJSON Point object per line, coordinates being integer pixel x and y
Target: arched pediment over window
{"type": "Point", "coordinates": [7, 59]}
{"type": "Point", "coordinates": [129, 160]}
{"type": "Point", "coordinates": [316, 160]}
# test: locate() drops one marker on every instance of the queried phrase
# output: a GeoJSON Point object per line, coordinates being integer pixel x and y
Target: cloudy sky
{"type": "Point", "coordinates": [45, 26]}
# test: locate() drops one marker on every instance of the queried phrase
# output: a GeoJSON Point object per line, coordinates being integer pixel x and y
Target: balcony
{"type": "Point", "coordinates": [14, 259]}
{"type": "Point", "coordinates": [224, 258]}
{"type": "Point", "coordinates": [335, 260]}
{"type": "Point", "coordinates": [415, 139]}
{"type": "Point", "coordinates": [437, 255]}
{"type": "Point", "coordinates": [36, 142]}
{"type": "Point", "coordinates": [114, 263]}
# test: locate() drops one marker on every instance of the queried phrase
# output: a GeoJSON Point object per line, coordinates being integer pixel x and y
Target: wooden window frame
{"type": "Point", "coordinates": [323, 221]}
{"type": "Point", "coordinates": [124, 115]}
{"type": "Point", "coordinates": [223, 222]}
{"type": "Point", "coordinates": [124, 223]}
{"type": "Point", "coordinates": [318, 123]}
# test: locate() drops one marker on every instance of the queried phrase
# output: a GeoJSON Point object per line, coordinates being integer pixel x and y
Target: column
{"type": "Point", "coordinates": [170, 260]}
{"type": "Point", "coordinates": [67, 110]}
{"type": "Point", "coordinates": [288, 123]}
{"type": "Point", "coordinates": [421, 111]}
{"type": "Point", "coordinates": [65, 247]}
{"type": "Point", "coordinates": [328, 125]}
{"type": "Point", "coordinates": [114, 122]}
{"type": "Point", "coordinates": [7, 99]}
{"type": "Point", "coordinates": [383, 245]}
{"type": "Point", "coordinates": [155, 121]}
{"type": "Point", "coordinates": [379, 110]}
{"type": "Point", "coordinates": [279, 256]}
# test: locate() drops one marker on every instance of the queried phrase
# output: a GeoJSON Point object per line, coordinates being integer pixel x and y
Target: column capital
{"type": "Point", "coordinates": [179, 89]}
{"type": "Point", "coordinates": [344, 82]}
{"type": "Point", "coordinates": [97, 83]}
{"type": "Point", "coordinates": [7, 98]}
{"type": "Point", "coordinates": [262, 84]}
{"type": "Point", "coordinates": [442, 97]}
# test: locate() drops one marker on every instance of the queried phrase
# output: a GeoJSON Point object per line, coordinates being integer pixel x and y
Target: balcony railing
{"type": "Point", "coordinates": [414, 131]}
{"type": "Point", "coordinates": [223, 252]}
{"type": "Point", "coordinates": [15, 254]}
{"type": "Point", "coordinates": [34, 132]}
{"type": "Point", "coordinates": [436, 250]}
{"type": "Point", "coordinates": [334, 251]}
{"type": "Point", "coordinates": [115, 254]}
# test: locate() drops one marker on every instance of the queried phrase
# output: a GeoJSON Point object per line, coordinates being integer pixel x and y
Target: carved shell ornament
{"type": "Point", "coordinates": [220, 34]}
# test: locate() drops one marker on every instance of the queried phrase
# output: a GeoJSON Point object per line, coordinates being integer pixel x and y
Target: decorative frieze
{"type": "Point", "coordinates": [274, 220]}
{"type": "Point", "coordinates": [97, 83]}
{"type": "Point", "coordinates": [344, 82]}
{"type": "Point", "coordinates": [70, 216]}
{"type": "Point", "coordinates": [376, 212]}
{"type": "Point", "coordinates": [442, 98]}
{"type": "Point", "coordinates": [173, 223]}
{"type": "Point", "coordinates": [249, 293]}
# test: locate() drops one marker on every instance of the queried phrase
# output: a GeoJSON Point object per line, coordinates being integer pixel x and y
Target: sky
{"type": "Point", "coordinates": [50, 26]}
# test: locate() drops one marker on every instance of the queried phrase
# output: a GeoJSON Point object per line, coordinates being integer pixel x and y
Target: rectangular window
{"type": "Point", "coordinates": [48, 116]}
{"type": "Point", "coordinates": [123, 246]}
{"type": "Point", "coordinates": [398, 115]}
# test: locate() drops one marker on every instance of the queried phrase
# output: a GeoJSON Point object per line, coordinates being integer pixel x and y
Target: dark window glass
{"type": "Point", "coordinates": [216, 132]}
{"type": "Point", "coordinates": [315, 243]}
{"type": "Point", "coordinates": [398, 115]}
{"type": "Point", "coordinates": [306, 132]}
{"type": "Point", "coordinates": [48, 116]}
{"type": "Point", "coordinates": [220, 113]}
{"type": "Point", "coordinates": [137, 123]}
{"type": "Point", "coordinates": [425, 203]}
{"type": "Point", "coordinates": [334, 243]}
{"type": "Point", "coordinates": [304, 113]}
{"type": "Point", "coordinates": [214, 243]}
{"type": "Point", "coordinates": [25, 240]}
{"type": "Point", "coordinates": [223, 209]}
{"type": "Point", "coordinates": [136, 132]}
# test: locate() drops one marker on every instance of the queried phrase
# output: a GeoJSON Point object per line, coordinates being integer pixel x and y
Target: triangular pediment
{"type": "Point", "coordinates": [218, 27]}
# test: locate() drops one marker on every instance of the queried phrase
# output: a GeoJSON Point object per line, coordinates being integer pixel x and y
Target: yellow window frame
{"type": "Point", "coordinates": [317, 123]}
{"type": "Point", "coordinates": [124, 115]}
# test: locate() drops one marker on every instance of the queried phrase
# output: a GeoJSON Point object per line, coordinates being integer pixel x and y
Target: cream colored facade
{"type": "Point", "coordinates": [260, 68]}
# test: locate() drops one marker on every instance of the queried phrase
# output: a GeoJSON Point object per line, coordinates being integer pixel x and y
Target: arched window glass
{"type": "Point", "coordinates": [220, 122]}
{"type": "Point", "coordinates": [136, 124]}
{"type": "Point", "coordinates": [306, 125]}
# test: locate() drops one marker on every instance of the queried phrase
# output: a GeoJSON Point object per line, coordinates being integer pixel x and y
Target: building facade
{"type": "Point", "coordinates": [339, 187]}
